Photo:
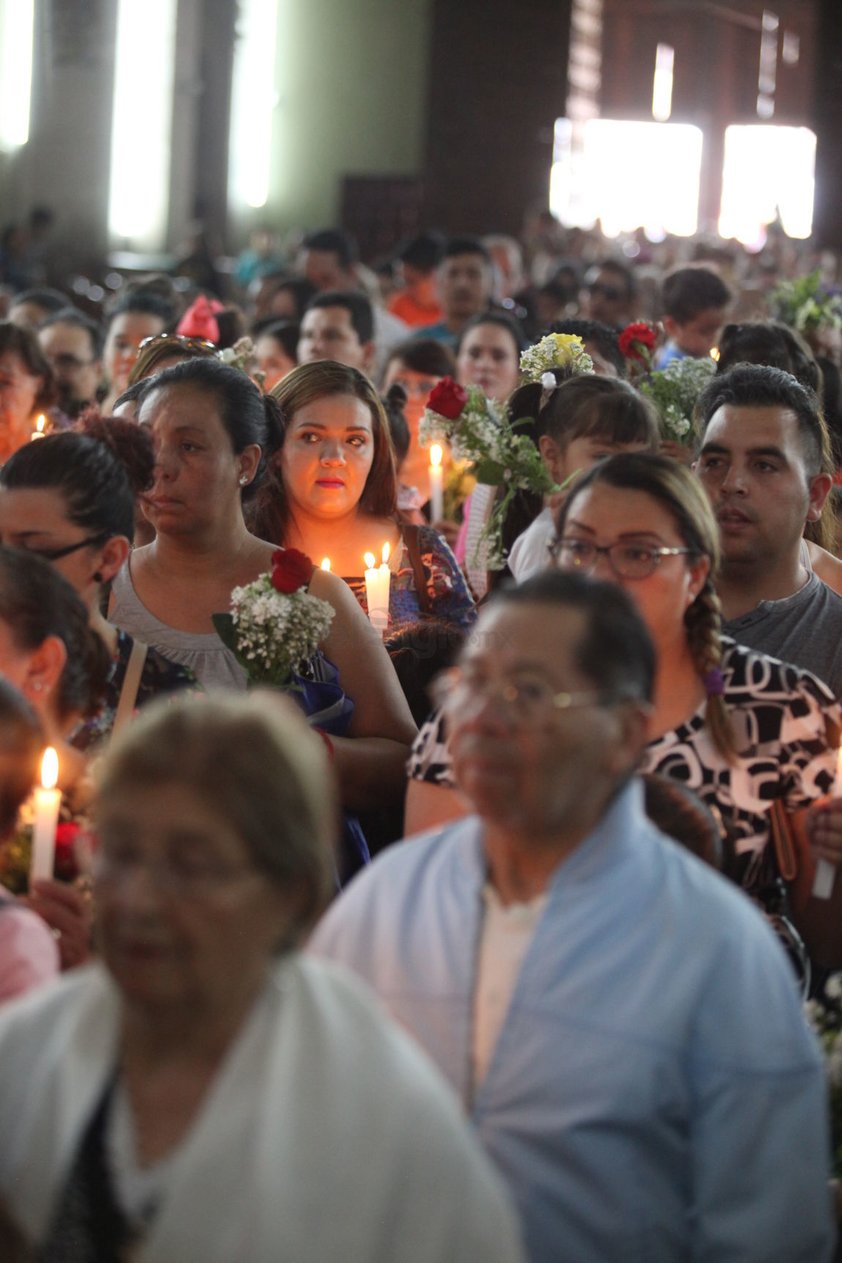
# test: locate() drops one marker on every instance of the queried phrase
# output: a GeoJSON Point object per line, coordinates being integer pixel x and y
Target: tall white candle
{"type": "Point", "coordinates": [436, 483]}
{"type": "Point", "coordinates": [825, 871]}
{"type": "Point", "coordinates": [47, 802]}
{"type": "Point", "coordinates": [378, 580]}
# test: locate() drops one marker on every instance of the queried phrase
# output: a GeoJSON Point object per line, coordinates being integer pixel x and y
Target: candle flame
{"type": "Point", "coordinates": [436, 454]}
{"type": "Point", "coordinates": [40, 426]}
{"type": "Point", "coordinates": [325, 563]}
{"type": "Point", "coordinates": [49, 768]}
{"type": "Point", "coordinates": [384, 553]}
{"type": "Point", "coordinates": [368, 558]}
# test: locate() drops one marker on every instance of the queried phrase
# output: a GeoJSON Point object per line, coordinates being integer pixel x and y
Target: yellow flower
{"type": "Point", "coordinates": [569, 344]}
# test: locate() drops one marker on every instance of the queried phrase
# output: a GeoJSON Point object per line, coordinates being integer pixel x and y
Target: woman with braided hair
{"type": "Point", "coordinates": [737, 727]}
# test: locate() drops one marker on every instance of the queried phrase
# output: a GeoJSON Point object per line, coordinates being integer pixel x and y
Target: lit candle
{"type": "Point", "coordinates": [378, 581]}
{"type": "Point", "coordinates": [325, 563]}
{"type": "Point", "coordinates": [825, 872]}
{"type": "Point", "coordinates": [436, 484]}
{"type": "Point", "coordinates": [40, 426]}
{"type": "Point", "coordinates": [47, 801]}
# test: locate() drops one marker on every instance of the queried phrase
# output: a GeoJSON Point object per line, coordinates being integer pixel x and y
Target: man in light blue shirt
{"type": "Point", "coordinates": [620, 1022]}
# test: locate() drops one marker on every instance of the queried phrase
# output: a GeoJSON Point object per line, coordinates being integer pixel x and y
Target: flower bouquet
{"type": "Point", "coordinates": [675, 391]}
{"type": "Point", "coordinates": [806, 305]}
{"type": "Point", "coordinates": [72, 854]}
{"type": "Point", "coordinates": [275, 626]}
{"type": "Point", "coordinates": [479, 431]}
{"type": "Point", "coordinates": [564, 351]}
{"type": "Point", "coordinates": [637, 344]}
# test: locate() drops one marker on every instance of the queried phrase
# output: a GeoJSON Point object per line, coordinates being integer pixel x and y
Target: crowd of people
{"type": "Point", "coordinates": [446, 851]}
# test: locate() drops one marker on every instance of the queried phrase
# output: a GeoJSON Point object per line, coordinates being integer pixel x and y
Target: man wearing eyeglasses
{"type": "Point", "coordinates": [620, 1024]}
{"type": "Point", "coordinates": [72, 344]}
{"type": "Point", "coordinates": [609, 294]}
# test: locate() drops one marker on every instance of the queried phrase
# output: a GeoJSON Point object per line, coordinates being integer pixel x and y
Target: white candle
{"type": "Point", "coordinates": [436, 483]}
{"type": "Point", "coordinates": [825, 871]}
{"type": "Point", "coordinates": [378, 580]}
{"type": "Point", "coordinates": [325, 563]}
{"type": "Point", "coordinates": [40, 426]}
{"type": "Point", "coordinates": [47, 801]}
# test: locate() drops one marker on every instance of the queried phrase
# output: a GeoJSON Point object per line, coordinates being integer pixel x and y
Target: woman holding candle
{"type": "Point", "coordinates": [28, 951]}
{"type": "Point", "coordinates": [334, 490]}
{"type": "Point", "coordinates": [206, 1091]}
{"type": "Point", "coordinates": [26, 388]}
{"type": "Point", "coordinates": [211, 430]}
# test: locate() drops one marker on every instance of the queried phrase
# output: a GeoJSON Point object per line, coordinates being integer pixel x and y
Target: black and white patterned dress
{"type": "Point", "coordinates": [787, 727]}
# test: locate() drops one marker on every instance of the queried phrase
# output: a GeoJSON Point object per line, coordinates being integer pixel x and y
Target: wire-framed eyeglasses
{"type": "Point", "coordinates": [627, 560]}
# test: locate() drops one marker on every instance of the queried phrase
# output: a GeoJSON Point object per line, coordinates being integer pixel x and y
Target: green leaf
{"type": "Point", "coordinates": [225, 630]}
{"type": "Point", "coordinates": [490, 472]}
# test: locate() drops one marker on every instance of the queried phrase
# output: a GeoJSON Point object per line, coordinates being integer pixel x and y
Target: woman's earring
{"type": "Point", "coordinates": [97, 576]}
{"type": "Point", "coordinates": [244, 480]}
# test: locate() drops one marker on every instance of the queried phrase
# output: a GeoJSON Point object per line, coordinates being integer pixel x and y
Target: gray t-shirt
{"type": "Point", "coordinates": [804, 629]}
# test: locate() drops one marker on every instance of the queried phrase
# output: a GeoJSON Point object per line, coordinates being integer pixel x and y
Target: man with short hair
{"type": "Point", "coordinates": [32, 306]}
{"type": "Point", "coordinates": [338, 325]}
{"type": "Point", "coordinates": [621, 1024]}
{"type": "Point", "coordinates": [72, 344]}
{"type": "Point", "coordinates": [761, 464]}
{"type": "Point", "coordinates": [465, 280]}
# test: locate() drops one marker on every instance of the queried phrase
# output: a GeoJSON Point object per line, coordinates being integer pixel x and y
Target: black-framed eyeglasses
{"type": "Point", "coordinates": [628, 561]}
{"type": "Point", "coordinates": [56, 554]}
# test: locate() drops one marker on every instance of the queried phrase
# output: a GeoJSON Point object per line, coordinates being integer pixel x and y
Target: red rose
{"type": "Point", "coordinates": [637, 342]}
{"type": "Point", "coordinates": [291, 570]}
{"type": "Point", "coordinates": [448, 398]}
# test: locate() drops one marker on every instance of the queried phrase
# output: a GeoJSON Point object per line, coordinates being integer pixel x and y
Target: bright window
{"type": "Point", "coordinates": [627, 175]}
{"type": "Point", "coordinates": [768, 173]}
{"type": "Point", "coordinates": [16, 25]}
{"type": "Point", "coordinates": [253, 100]}
{"type": "Point", "coordinates": [141, 130]}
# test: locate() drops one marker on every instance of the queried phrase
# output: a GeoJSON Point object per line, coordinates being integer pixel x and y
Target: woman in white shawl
{"type": "Point", "coordinates": [199, 1097]}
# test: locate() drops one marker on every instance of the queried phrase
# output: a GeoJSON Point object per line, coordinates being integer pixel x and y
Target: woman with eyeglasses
{"type": "Point", "coordinates": [69, 499]}
{"type": "Point", "coordinates": [207, 1092]}
{"type": "Point", "coordinates": [738, 727]}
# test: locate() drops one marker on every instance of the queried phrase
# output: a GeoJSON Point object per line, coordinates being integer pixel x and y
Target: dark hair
{"type": "Point", "coordinates": [231, 324]}
{"type": "Point", "coordinates": [678, 490]}
{"type": "Point", "coordinates": [688, 291]}
{"type": "Point", "coordinates": [24, 343]}
{"type": "Point", "coordinates": [587, 406]}
{"type": "Point", "coordinates": [466, 245]}
{"type": "Point", "coordinates": [419, 650]}
{"type": "Point", "coordinates": [621, 270]}
{"type": "Point", "coordinates": [247, 415]}
{"type": "Point", "coordinates": [424, 355]}
{"type": "Point", "coordinates": [90, 479]}
{"type": "Point", "coordinates": [49, 300]}
{"type": "Point", "coordinates": [21, 743]}
{"type": "Point", "coordinates": [832, 404]}
{"type": "Point", "coordinates": [128, 442]}
{"type": "Point", "coordinates": [681, 814]}
{"type": "Point", "coordinates": [603, 337]}
{"type": "Point", "coordinates": [285, 333]}
{"type": "Point", "coordinates": [760, 386]}
{"type": "Point", "coordinates": [132, 393]}
{"type": "Point", "coordinates": [771, 343]}
{"type": "Point", "coordinates": [37, 602]}
{"type": "Point", "coordinates": [301, 289]}
{"type": "Point", "coordinates": [502, 321]}
{"type": "Point", "coordinates": [357, 305]}
{"type": "Point", "coordinates": [143, 302]}
{"type": "Point", "coordinates": [305, 384]}
{"type": "Point", "coordinates": [334, 241]}
{"type": "Point", "coordinates": [615, 651]}
{"type": "Point", "coordinates": [424, 252]}
{"type": "Point", "coordinates": [394, 403]}
{"type": "Point", "coordinates": [72, 316]}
